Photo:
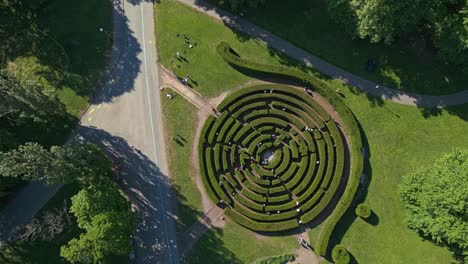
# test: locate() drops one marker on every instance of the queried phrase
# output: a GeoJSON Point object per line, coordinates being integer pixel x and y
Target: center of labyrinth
{"type": "Point", "coordinates": [274, 157]}
{"type": "Point", "coordinates": [267, 156]}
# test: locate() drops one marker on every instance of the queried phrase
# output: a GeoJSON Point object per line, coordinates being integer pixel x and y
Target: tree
{"type": "Point", "coordinates": [436, 201]}
{"type": "Point", "coordinates": [451, 37]}
{"type": "Point", "coordinates": [340, 255]}
{"type": "Point", "coordinates": [85, 163]}
{"type": "Point", "coordinates": [381, 20]}
{"type": "Point", "coordinates": [238, 5]}
{"type": "Point", "coordinates": [96, 199]}
{"type": "Point", "coordinates": [104, 213]}
{"type": "Point", "coordinates": [363, 211]}
{"type": "Point", "coordinates": [27, 103]}
{"type": "Point", "coordinates": [8, 140]}
{"type": "Point", "coordinates": [29, 162]}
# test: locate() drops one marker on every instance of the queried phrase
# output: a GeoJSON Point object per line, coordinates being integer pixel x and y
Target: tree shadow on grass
{"type": "Point", "coordinates": [72, 54]}
{"type": "Point", "coordinates": [460, 110]}
{"type": "Point", "coordinates": [210, 249]}
{"type": "Point", "coordinates": [350, 216]}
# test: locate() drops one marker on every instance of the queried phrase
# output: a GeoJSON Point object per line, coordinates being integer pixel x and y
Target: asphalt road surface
{"type": "Point", "coordinates": [125, 119]}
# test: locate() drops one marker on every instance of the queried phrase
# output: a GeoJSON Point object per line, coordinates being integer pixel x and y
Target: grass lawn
{"type": "Point", "coordinates": [208, 71]}
{"type": "Point", "coordinates": [400, 139]}
{"type": "Point", "coordinates": [403, 65]}
{"type": "Point", "coordinates": [179, 126]}
{"type": "Point", "coordinates": [236, 244]}
{"type": "Point", "coordinates": [60, 46]}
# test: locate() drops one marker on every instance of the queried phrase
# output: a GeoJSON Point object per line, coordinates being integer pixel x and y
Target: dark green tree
{"type": "Point", "coordinates": [451, 37]}
{"type": "Point", "coordinates": [27, 103]}
{"type": "Point", "coordinates": [381, 20]}
{"type": "Point", "coordinates": [85, 163]}
{"type": "Point", "coordinates": [436, 201]}
{"type": "Point", "coordinates": [238, 5]}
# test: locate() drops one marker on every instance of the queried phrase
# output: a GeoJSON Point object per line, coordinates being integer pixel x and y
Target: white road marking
{"type": "Point", "coordinates": [152, 128]}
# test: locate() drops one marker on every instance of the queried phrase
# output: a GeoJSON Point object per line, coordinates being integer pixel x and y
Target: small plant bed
{"type": "Point", "coordinates": [274, 157]}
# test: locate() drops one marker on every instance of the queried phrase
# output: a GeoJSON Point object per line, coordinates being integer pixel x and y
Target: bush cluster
{"type": "Point", "coordinates": [363, 211]}
{"type": "Point", "coordinates": [340, 255]}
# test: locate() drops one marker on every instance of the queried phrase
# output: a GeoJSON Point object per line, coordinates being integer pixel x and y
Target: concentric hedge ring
{"type": "Point", "coordinates": [273, 156]}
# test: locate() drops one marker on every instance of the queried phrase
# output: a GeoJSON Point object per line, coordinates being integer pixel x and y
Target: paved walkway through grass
{"type": "Point", "coordinates": [209, 219]}
{"type": "Point", "coordinates": [325, 67]}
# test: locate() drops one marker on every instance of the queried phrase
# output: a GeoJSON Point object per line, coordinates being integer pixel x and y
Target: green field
{"type": "Point", "coordinates": [179, 119]}
{"type": "Point", "coordinates": [210, 74]}
{"type": "Point", "coordinates": [409, 65]}
{"type": "Point", "coordinates": [400, 139]}
{"type": "Point", "coordinates": [235, 244]}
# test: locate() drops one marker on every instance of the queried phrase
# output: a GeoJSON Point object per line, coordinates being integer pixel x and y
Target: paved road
{"type": "Point", "coordinates": [125, 119]}
{"type": "Point", "coordinates": [313, 61]}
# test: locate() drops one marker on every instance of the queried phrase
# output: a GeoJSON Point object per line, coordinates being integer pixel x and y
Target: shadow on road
{"type": "Point", "coordinates": [141, 180]}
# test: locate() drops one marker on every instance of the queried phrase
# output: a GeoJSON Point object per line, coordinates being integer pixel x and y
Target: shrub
{"type": "Point", "coordinates": [281, 259]}
{"type": "Point", "coordinates": [363, 211]}
{"type": "Point", "coordinates": [340, 255]}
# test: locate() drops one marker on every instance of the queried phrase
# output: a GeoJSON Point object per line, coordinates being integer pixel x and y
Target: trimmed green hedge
{"type": "Point", "coordinates": [349, 121]}
{"type": "Point", "coordinates": [258, 226]}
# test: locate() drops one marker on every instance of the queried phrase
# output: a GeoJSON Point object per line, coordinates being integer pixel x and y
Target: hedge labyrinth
{"type": "Point", "coordinates": [273, 157]}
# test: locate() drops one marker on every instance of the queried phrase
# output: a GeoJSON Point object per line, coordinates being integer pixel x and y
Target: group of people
{"type": "Point", "coordinates": [187, 40]}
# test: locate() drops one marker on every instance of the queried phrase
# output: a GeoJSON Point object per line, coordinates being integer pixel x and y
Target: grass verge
{"type": "Point", "coordinates": [179, 126]}
{"type": "Point", "coordinates": [235, 244]}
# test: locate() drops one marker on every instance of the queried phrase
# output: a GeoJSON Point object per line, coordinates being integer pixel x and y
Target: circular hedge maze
{"type": "Point", "coordinates": [273, 156]}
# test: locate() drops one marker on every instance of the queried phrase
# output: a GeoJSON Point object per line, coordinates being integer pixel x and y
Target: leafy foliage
{"type": "Point", "coordinates": [85, 163]}
{"type": "Point", "coordinates": [27, 102]}
{"type": "Point", "coordinates": [105, 215]}
{"type": "Point", "coordinates": [363, 211]}
{"type": "Point", "coordinates": [435, 201]}
{"type": "Point", "coordinates": [451, 38]}
{"type": "Point", "coordinates": [281, 259]}
{"type": "Point", "coordinates": [340, 255]}
{"type": "Point", "coordinates": [386, 20]}
{"type": "Point", "coordinates": [238, 5]}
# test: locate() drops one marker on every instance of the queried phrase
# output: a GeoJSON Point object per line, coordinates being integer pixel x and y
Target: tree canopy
{"type": "Point", "coordinates": [84, 163]}
{"type": "Point", "coordinates": [436, 201]}
{"type": "Point", "coordinates": [27, 102]}
{"type": "Point", "coordinates": [445, 22]}
{"type": "Point", "coordinates": [105, 215]}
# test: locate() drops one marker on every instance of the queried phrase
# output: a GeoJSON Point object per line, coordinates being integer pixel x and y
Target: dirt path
{"type": "Point", "coordinates": [167, 79]}
{"type": "Point", "coordinates": [213, 215]}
